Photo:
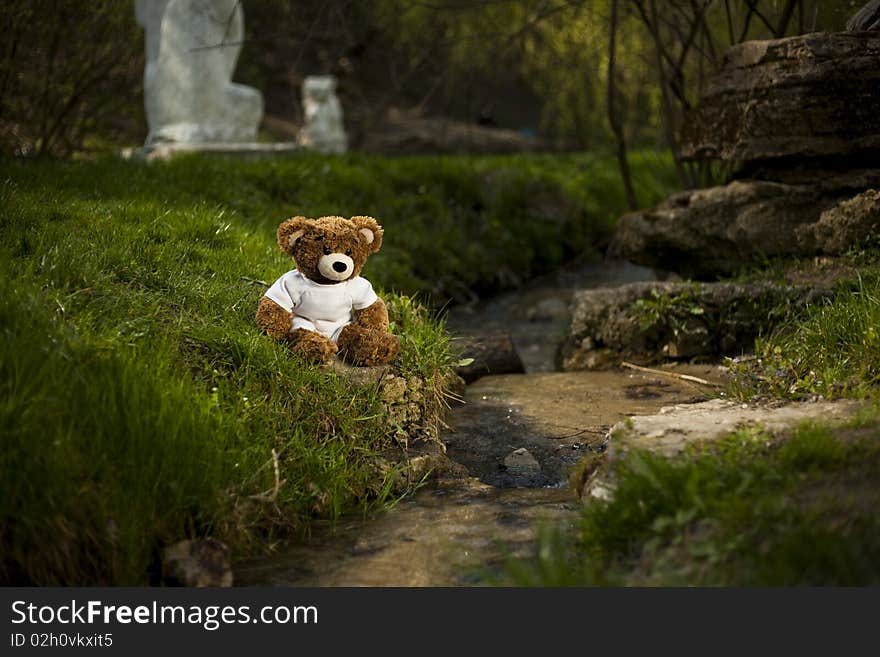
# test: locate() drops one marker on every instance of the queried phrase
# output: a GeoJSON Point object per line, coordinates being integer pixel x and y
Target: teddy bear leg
{"type": "Point", "coordinates": [367, 347]}
{"type": "Point", "coordinates": [312, 346]}
{"type": "Point", "coordinates": [273, 319]}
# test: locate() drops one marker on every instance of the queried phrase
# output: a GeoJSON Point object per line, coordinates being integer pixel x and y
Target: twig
{"type": "Point", "coordinates": [272, 494]}
{"type": "Point", "coordinates": [600, 432]}
{"type": "Point", "coordinates": [674, 375]}
{"type": "Point", "coordinates": [254, 281]}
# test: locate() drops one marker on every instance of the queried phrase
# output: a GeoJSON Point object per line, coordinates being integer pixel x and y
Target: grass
{"type": "Point", "coordinates": [833, 350]}
{"type": "Point", "coordinates": [138, 402]}
{"type": "Point", "coordinates": [748, 511]}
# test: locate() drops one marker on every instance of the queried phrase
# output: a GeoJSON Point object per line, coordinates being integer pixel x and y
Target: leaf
{"type": "Point", "coordinates": [464, 362]}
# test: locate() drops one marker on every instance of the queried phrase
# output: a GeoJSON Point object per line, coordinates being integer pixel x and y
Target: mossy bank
{"type": "Point", "coordinates": [141, 405]}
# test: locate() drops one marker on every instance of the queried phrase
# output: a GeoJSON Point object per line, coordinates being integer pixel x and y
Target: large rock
{"type": "Point", "coordinates": [652, 321]}
{"type": "Point", "coordinates": [814, 95]}
{"type": "Point", "coordinates": [847, 224]}
{"type": "Point", "coordinates": [490, 353]}
{"type": "Point", "coordinates": [669, 432]}
{"type": "Point", "coordinates": [716, 231]}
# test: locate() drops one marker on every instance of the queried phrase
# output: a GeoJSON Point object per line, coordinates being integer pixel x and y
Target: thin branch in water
{"type": "Point", "coordinates": [674, 375]}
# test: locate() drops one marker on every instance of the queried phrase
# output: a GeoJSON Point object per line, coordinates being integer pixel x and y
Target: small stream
{"type": "Point", "coordinates": [515, 438]}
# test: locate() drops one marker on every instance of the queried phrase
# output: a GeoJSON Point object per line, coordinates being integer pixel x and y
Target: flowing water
{"type": "Point", "coordinates": [515, 438]}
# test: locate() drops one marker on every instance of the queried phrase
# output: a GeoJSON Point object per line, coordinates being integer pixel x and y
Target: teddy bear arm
{"type": "Point", "coordinates": [374, 316]}
{"type": "Point", "coordinates": [273, 319]}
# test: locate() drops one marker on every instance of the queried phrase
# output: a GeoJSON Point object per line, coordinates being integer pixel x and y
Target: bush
{"type": "Point", "coordinates": [69, 71]}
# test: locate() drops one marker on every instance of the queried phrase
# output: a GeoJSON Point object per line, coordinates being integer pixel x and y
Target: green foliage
{"type": "Point", "coordinates": [668, 309]}
{"type": "Point", "coordinates": [139, 404]}
{"type": "Point", "coordinates": [745, 511]}
{"type": "Point", "coordinates": [70, 72]}
{"type": "Point", "coordinates": [833, 350]}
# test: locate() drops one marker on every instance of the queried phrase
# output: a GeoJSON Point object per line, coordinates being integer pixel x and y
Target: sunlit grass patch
{"type": "Point", "coordinates": [833, 350]}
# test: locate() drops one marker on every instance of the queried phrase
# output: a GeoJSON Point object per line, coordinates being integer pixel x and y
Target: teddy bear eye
{"type": "Point", "coordinates": [327, 250]}
{"type": "Point", "coordinates": [348, 252]}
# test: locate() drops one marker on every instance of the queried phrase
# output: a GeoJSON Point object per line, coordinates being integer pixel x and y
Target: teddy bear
{"type": "Point", "coordinates": [324, 307]}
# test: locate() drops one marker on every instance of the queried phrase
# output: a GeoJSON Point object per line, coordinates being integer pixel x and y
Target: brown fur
{"type": "Point", "coordinates": [338, 235]}
{"type": "Point", "coordinates": [373, 317]}
{"type": "Point", "coordinates": [312, 346]}
{"type": "Point", "coordinates": [364, 342]}
{"type": "Point", "coordinates": [273, 319]}
{"type": "Point", "coordinates": [366, 347]}
{"type": "Point", "coordinates": [367, 340]}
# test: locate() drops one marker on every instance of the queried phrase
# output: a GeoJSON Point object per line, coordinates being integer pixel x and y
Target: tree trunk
{"type": "Point", "coordinates": [614, 119]}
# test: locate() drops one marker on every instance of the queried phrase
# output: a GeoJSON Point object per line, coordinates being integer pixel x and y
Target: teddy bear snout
{"type": "Point", "coordinates": [336, 266]}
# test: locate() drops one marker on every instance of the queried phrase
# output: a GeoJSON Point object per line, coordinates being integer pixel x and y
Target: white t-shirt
{"type": "Point", "coordinates": [322, 308]}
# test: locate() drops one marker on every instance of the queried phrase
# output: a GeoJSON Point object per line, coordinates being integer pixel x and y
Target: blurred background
{"type": "Point", "coordinates": [415, 76]}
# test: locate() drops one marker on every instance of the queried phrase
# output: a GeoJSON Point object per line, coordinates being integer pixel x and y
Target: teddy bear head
{"type": "Point", "coordinates": [330, 249]}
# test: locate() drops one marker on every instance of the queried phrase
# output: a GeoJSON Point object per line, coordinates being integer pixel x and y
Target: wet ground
{"type": "Point", "coordinates": [516, 435]}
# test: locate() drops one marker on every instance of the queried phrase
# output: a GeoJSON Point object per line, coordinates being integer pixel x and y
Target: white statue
{"type": "Point", "coordinates": [323, 130]}
{"type": "Point", "coordinates": [192, 47]}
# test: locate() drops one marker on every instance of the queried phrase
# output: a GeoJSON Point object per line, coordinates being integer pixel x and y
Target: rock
{"type": "Point", "coordinates": [403, 134]}
{"type": "Point", "coordinates": [412, 406]}
{"type": "Point", "coordinates": [492, 353]}
{"type": "Point", "coordinates": [848, 223]}
{"type": "Point", "coordinates": [323, 130]}
{"type": "Point", "coordinates": [421, 461]}
{"type": "Point", "coordinates": [670, 431]}
{"type": "Point", "coordinates": [164, 151]}
{"type": "Point", "coordinates": [675, 428]}
{"type": "Point", "coordinates": [521, 463]}
{"type": "Point", "coordinates": [393, 389]}
{"type": "Point", "coordinates": [809, 96]}
{"type": "Point", "coordinates": [710, 232]}
{"type": "Point", "coordinates": [197, 562]}
{"type": "Point", "coordinates": [191, 50]}
{"type": "Point", "coordinates": [652, 321]}
{"type": "Point", "coordinates": [548, 309]}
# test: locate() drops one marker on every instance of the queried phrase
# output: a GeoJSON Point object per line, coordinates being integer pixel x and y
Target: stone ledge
{"type": "Point", "coordinates": [671, 431]}
{"type": "Point", "coordinates": [649, 322]}
{"type": "Point", "coordinates": [167, 151]}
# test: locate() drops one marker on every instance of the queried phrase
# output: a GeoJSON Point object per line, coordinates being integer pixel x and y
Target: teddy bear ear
{"type": "Point", "coordinates": [290, 231]}
{"type": "Point", "coordinates": [370, 231]}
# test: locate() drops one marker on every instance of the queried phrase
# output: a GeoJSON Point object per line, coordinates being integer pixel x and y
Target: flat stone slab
{"type": "Point", "coordinates": [670, 431]}
{"type": "Point", "coordinates": [167, 151]}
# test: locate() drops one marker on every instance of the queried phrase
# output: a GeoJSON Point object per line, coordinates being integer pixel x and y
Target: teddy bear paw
{"type": "Point", "coordinates": [312, 346]}
{"type": "Point", "coordinates": [367, 348]}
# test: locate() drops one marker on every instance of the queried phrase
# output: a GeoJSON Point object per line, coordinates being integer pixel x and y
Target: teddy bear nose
{"type": "Point", "coordinates": [339, 266]}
